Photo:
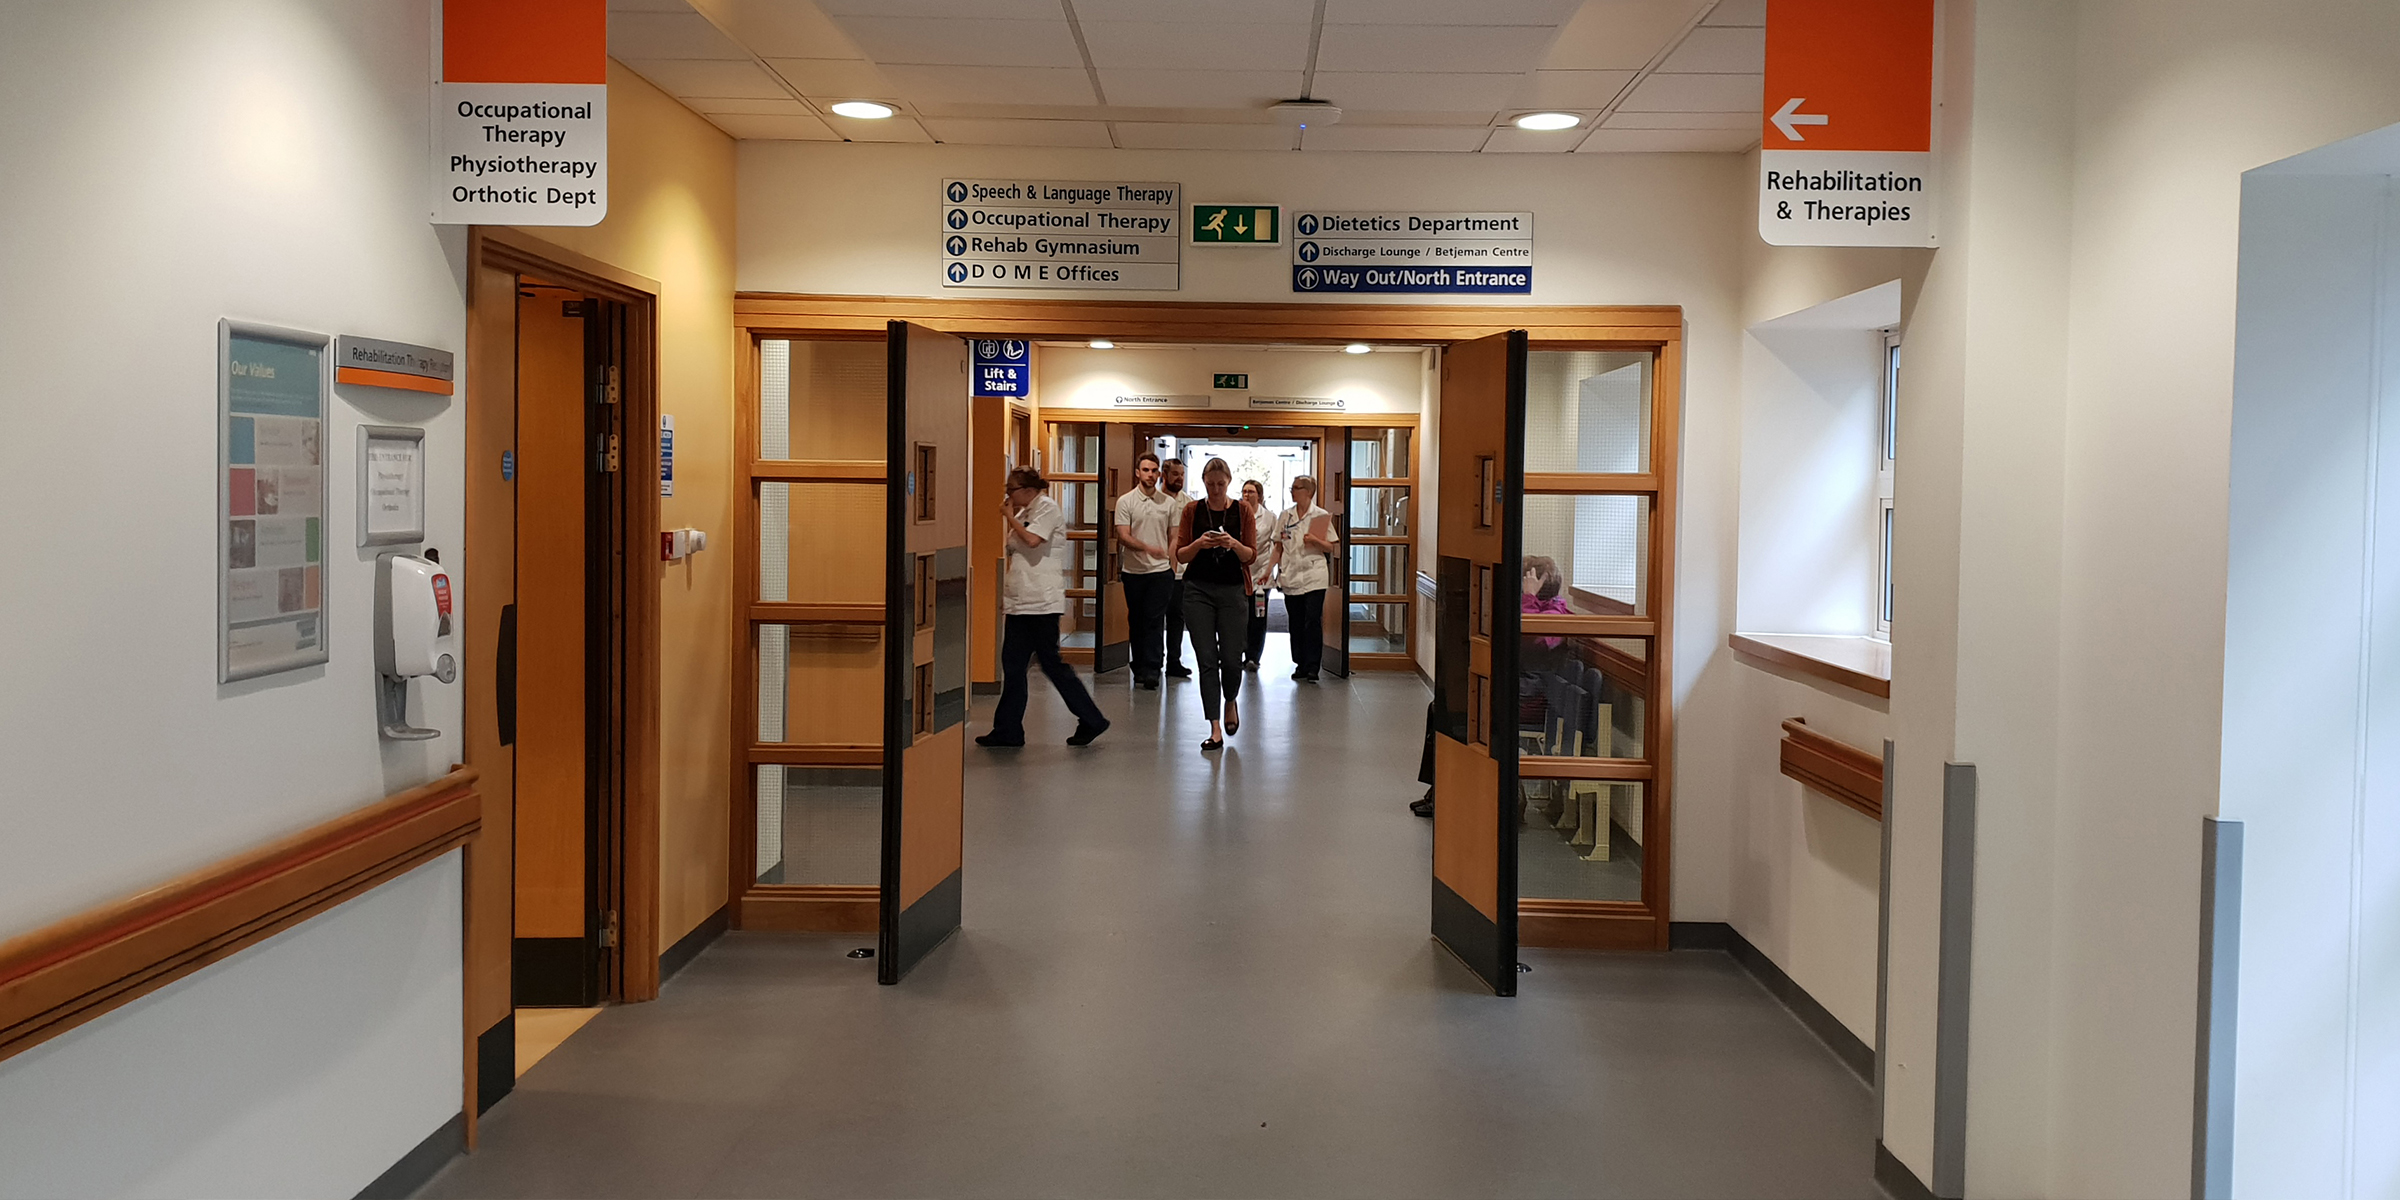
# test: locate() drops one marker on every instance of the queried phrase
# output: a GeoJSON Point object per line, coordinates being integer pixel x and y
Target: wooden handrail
{"type": "Point", "coordinates": [1841, 771]}
{"type": "Point", "coordinates": [64, 974]}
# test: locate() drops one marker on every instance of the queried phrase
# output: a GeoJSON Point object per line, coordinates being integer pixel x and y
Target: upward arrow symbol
{"type": "Point", "coordinates": [1790, 115]}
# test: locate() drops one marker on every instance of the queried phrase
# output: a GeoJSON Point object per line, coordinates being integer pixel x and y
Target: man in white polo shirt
{"type": "Point", "coordinates": [1033, 596]}
{"type": "Point", "coordinates": [1145, 529]}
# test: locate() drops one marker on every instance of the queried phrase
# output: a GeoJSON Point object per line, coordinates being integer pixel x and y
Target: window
{"type": "Point", "coordinates": [1883, 480]}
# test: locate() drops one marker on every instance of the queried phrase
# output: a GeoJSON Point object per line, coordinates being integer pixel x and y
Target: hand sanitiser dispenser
{"type": "Point", "coordinates": [412, 617]}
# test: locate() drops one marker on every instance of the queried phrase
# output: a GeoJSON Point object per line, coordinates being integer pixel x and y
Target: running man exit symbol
{"type": "Point", "coordinates": [1239, 224]}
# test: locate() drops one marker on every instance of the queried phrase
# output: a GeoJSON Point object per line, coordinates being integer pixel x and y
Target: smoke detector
{"type": "Point", "coordinates": [1305, 114]}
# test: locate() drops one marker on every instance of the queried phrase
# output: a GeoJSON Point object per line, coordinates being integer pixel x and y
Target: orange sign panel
{"type": "Point", "coordinates": [1847, 127]}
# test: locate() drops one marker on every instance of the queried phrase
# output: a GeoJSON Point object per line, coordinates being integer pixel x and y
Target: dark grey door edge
{"type": "Point", "coordinates": [1883, 935]}
{"type": "Point", "coordinates": [2220, 986]}
{"type": "Point", "coordinates": [1956, 978]}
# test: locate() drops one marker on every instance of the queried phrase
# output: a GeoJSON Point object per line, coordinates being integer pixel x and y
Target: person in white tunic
{"type": "Point", "coordinates": [1304, 548]}
{"type": "Point", "coordinates": [1262, 568]}
{"type": "Point", "coordinates": [1033, 596]}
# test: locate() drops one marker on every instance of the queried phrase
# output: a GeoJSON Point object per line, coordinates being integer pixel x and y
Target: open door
{"type": "Point", "coordinates": [1114, 646]}
{"type": "Point", "coordinates": [1335, 499]}
{"type": "Point", "coordinates": [1480, 545]}
{"type": "Point", "coordinates": [925, 646]}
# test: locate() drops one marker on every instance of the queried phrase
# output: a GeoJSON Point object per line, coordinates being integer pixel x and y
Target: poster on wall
{"type": "Point", "coordinates": [272, 386]}
{"type": "Point", "coordinates": [391, 485]}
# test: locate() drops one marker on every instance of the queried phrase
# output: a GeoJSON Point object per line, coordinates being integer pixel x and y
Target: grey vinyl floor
{"type": "Point", "coordinates": [1188, 975]}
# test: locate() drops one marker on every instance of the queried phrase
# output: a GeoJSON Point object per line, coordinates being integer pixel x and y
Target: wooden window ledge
{"type": "Point", "coordinates": [1860, 663]}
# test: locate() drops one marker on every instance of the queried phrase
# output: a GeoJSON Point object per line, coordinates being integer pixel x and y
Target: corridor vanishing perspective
{"type": "Point", "coordinates": [1189, 976]}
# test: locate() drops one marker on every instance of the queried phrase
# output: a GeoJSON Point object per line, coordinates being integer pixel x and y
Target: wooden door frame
{"type": "Point", "coordinates": [636, 815]}
{"type": "Point", "coordinates": [1656, 328]}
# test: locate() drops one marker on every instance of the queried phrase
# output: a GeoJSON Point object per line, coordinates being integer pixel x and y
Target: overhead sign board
{"type": "Point", "coordinates": [1237, 224]}
{"type": "Point", "coordinates": [1413, 252]}
{"type": "Point", "coordinates": [1302, 403]}
{"type": "Point", "coordinates": [1003, 368]}
{"type": "Point", "coordinates": [1062, 235]}
{"type": "Point", "coordinates": [372, 362]}
{"type": "Point", "coordinates": [520, 112]}
{"type": "Point", "coordinates": [1847, 152]}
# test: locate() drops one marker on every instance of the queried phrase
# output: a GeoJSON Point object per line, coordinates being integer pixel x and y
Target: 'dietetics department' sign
{"type": "Point", "coordinates": [1413, 252]}
{"type": "Point", "coordinates": [1847, 152]}
{"type": "Point", "coordinates": [1062, 235]}
{"type": "Point", "coordinates": [520, 112]}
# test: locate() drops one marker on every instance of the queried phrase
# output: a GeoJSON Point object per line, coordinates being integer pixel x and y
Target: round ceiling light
{"type": "Point", "coordinates": [1549, 120]}
{"type": "Point", "coordinates": [864, 110]}
{"type": "Point", "coordinates": [1103, 344]}
{"type": "Point", "coordinates": [1358, 348]}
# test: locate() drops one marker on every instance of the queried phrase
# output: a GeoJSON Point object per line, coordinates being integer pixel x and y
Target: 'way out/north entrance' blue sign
{"type": "Point", "coordinates": [1003, 368]}
{"type": "Point", "coordinates": [1404, 252]}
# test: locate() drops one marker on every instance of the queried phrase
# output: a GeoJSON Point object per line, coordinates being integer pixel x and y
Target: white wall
{"type": "Point", "coordinates": [1389, 381]}
{"type": "Point", "coordinates": [170, 164]}
{"type": "Point", "coordinates": [857, 219]}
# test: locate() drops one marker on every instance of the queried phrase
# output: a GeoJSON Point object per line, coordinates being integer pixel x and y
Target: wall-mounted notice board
{"type": "Point", "coordinates": [272, 386]}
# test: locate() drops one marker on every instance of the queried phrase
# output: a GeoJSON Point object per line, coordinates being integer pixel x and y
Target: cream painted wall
{"type": "Point", "coordinates": [861, 219]}
{"type": "Point", "coordinates": [1078, 377]}
{"type": "Point", "coordinates": [671, 218]}
{"type": "Point", "coordinates": [168, 165]}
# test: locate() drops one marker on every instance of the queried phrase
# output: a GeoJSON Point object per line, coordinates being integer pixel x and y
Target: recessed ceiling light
{"type": "Point", "coordinates": [1358, 348]}
{"type": "Point", "coordinates": [1103, 344]}
{"type": "Point", "coordinates": [1549, 120]}
{"type": "Point", "coordinates": [864, 110]}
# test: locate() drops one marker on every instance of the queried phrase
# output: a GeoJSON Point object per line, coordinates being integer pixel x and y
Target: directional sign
{"type": "Point", "coordinates": [1061, 235]}
{"type": "Point", "coordinates": [1003, 368]}
{"type": "Point", "coordinates": [1847, 137]}
{"type": "Point", "coordinates": [1237, 224]}
{"type": "Point", "coordinates": [1413, 252]}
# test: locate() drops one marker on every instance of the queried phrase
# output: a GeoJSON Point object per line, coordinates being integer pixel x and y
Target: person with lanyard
{"type": "Point", "coordinates": [1170, 481]}
{"type": "Point", "coordinates": [1145, 520]}
{"type": "Point", "coordinates": [1304, 545]}
{"type": "Point", "coordinates": [1033, 596]}
{"type": "Point", "coordinates": [1262, 568]}
{"type": "Point", "coordinates": [1215, 546]}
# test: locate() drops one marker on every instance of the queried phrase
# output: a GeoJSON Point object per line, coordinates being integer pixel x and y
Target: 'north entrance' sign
{"type": "Point", "coordinates": [1413, 252]}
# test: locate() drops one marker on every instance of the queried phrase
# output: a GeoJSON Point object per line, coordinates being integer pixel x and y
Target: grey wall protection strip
{"type": "Point", "coordinates": [1956, 975]}
{"type": "Point", "coordinates": [1883, 934]}
{"type": "Point", "coordinates": [2220, 985]}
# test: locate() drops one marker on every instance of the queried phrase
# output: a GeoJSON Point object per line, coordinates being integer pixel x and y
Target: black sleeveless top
{"type": "Point", "coordinates": [1221, 565]}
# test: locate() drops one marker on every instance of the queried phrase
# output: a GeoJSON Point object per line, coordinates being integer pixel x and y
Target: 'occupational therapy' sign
{"type": "Point", "coordinates": [520, 112]}
{"type": "Point", "coordinates": [1054, 235]}
{"type": "Point", "coordinates": [1847, 152]}
{"type": "Point", "coordinates": [1413, 252]}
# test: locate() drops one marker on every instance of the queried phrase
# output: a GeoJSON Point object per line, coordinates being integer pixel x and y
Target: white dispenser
{"type": "Point", "coordinates": [412, 621]}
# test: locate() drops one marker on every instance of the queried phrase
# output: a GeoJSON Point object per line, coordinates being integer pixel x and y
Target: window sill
{"type": "Point", "coordinates": [1860, 663]}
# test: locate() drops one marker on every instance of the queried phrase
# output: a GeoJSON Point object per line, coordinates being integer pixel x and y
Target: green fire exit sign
{"type": "Point", "coordinates": [1232, 382]}
{"type": "Point", "coordinates": [1245, 224]}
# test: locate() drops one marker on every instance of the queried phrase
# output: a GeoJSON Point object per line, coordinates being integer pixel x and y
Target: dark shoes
{"type": "Point", "coordinates": [1147, 685]}
{"type": "Point", "coordinates": [995, 740]}
{"type": "Point", "coordinates": [1249, 664]}
{"type": "Point", "coordinates": [1085, 733]}
{"type": "Point", "coordinates": [1179, 671]}
{"type": "Point", "coordinates": [1297, 677]}
{"type": "Point", "coordinates": [1423, 807]}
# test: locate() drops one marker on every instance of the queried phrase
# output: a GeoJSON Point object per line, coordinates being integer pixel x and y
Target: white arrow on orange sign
{"type": "Point", "coordinates": [1790, 115]}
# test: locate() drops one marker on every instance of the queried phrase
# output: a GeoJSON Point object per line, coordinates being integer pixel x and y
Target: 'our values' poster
{"type": "Point", "coordinates": [271, 511]}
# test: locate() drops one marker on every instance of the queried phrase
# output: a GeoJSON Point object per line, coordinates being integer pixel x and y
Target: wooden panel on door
{"type": "Point", "coordinates": [989, 443]}
{"type": "Point", "coordinates": [1475, 669]}
{"type": "Point", "coordinates": [488, 592]}
{"type": "Point", "coordinates": [1115, 640]}
{"type": "Point", "coordinates": [552, 462]}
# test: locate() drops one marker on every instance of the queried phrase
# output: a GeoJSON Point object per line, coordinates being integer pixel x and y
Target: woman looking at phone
{"type": "Point", "coordinates": [1216, 543]}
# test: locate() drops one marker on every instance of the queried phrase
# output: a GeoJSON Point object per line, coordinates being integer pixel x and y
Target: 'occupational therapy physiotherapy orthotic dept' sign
{"type": "Point", "coordinates": [1469, 253]}
{"type": "Point", "coordinates": [1062, 235]}
{"type": "Point", "coordinates": [520, 112]}
{"type": "Point", "coordinates": [1846, 157]}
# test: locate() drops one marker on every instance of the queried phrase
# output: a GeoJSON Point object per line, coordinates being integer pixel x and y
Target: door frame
{"type": "Point", "coordinates": [1604, 924]}
{"type": "Point", "coordinates": [633, 821]}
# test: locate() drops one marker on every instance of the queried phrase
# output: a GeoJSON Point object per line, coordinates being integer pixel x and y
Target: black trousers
{"type": "Point", "coordinates": [1175, 625]}
{"type": "Point", "coordinates": [1306, 615]}
{"type": "Point", "coordinates": [1023, 639]}
{"type": "Point", "coordinates": [1256, 646]}
{"type": "Point", "coordinates": [1219, 615]}
{"type": "Point", "coordinates": [1146, 601]}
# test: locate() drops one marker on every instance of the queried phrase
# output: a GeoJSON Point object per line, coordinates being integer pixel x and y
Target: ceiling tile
{"type": "Point", "coordinates": [833, 78]}
{"type": "Point", "coordinates": [1510, 140]}
{"type": "Point", "coordinates": [1509, 48]}
{"type": "Point", "coordinates": [1277, 12]}
{"type": "Point", "coordinates": [713, 106]}
{"type": "Point", "coordinates": [1001, 10]}
{"type": "Point", "coordinates": [1685, 120]}
{"type": "Point", "coordinates": [668, 35]}
{"type": "Point", "coordinates": [1722, 51]}
{"type": "Point", "coordinates": [783, 29]}
{"type": "Point", "coordinates": [1455, 139]}
{"type": "Point", "coordinates": [1696, 93]}
{"type": "Point", "coordinates": [1199, 89]}
{"type": "Point", "coordinates": [1449, 12]}
{"type": "Point", "coordinates": [889, 129]}
{"type": "Point", "coordinates": [992, 85]}
{"type": "Point", "coordinates": [963, 42]}
{"type": "Point", "coordinates": [1021, 133]}
{"type": "Point", "coordinates": [1217, 47]}
{"type": "Point", "coordinates": [1619, 35]}
{"type": "Point", "coordinates": [1738, 12]}
{"type": "Point", "coordinates": [1637, 141]}
{"type": "Point", "coordinates": [769, 128]}
{"type": "Point", "coordinates": [1572, 89]}
{"type": "Point", "coordinates": [699, 77]}
{"type": "Point", "coordinates": [1449, 93]}
{"type": "Point", "coordinates": [1136, 135]}
{"type": "Point", "coordinates": [1389, 117]}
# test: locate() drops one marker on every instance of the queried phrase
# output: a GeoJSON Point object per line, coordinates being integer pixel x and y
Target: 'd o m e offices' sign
{"type": "Point", "coordinates": [520, 112]}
